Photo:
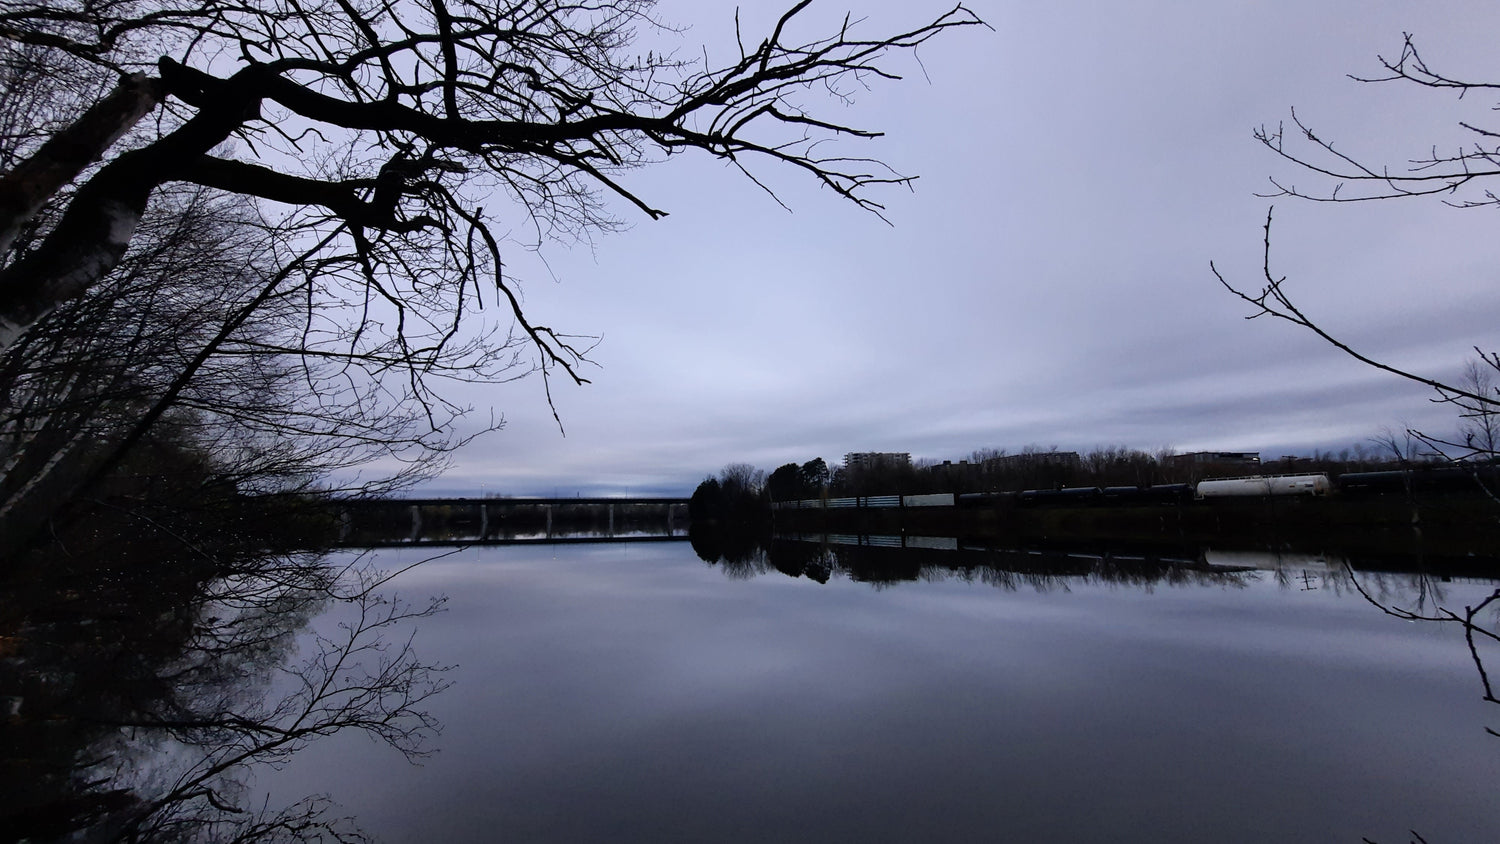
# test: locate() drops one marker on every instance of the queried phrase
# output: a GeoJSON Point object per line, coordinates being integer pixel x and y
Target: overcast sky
{"type": "Point", "coordinates": [1047, 281]}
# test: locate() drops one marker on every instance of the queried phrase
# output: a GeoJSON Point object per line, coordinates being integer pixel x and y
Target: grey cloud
{"type": "Point", "coordinates": [1047, 281]}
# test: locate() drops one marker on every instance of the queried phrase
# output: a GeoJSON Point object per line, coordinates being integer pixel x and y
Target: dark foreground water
{"type": "Point", "coordinates": [633, 693]}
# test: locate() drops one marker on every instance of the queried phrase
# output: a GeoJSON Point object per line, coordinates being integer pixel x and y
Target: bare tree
{"type": "Point", "coordinates": [201, 342]}
{"type": "Point", "coordinates": [382, 127]}
{"type": "Point", "coordinates": [1478, 438]}
{"type": "Point", "coordinates": [365, 144]}
{"type": "Point", "coordinates": [1110, 465]}
{"type": "Point", "coordinates": [1481, 426]}
{"type": "Point", "coordinates": [1431, 174]}
{"type": "Point", "coordinates": [1460, 176]}
{"type": "Point", "coordinates": [742, 477]}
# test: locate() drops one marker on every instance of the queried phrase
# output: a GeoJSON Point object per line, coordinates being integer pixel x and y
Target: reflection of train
{"type": "Point", "coordinates": [1450, 479]}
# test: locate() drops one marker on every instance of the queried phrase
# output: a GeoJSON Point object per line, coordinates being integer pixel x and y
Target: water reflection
{"type": "Point", "coordinates": [139, 697]}
{"type": "Point", "coordinates": [887, 559]}
{"type": "Point", "coordinates": [634, 693]}
{"type": "Point", "coordinates": [140, 690]}
{"type": "Point", "coordinates": [1396, 585]}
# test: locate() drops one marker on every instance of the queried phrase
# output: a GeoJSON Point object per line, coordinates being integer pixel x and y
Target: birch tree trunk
{"type": "Point", "coordinates": [27, 188]}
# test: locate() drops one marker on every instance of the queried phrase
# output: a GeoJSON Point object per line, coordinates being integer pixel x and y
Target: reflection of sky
{"type": "Point", "coordinates": [1047, 281]}
{"type": "Point", "coordinates": [634, 693]}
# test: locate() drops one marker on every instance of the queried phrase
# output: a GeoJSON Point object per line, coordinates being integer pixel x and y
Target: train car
{"type": "Point", "coordinates": [1168, 493]}
{"type": "Point", "coordinates": [1268, 485]}
{"type": "Point", "coordinates": [1372, 483]}
{"type": "Point", "coordinates": [1067, 496]}
{"type": "Point", "coordinates": [1440, 479]}
{"type": "Point", "coordinates": [987, 499]}
{"type": "Point", "coordinates": [1123, 496]}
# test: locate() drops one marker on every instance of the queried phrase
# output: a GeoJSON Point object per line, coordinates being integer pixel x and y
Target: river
{"type": "Point", "coordinates": [633, 692]}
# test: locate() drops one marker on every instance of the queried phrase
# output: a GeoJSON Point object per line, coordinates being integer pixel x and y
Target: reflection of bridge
{"type": "Point", "coordinates": [384, 521]}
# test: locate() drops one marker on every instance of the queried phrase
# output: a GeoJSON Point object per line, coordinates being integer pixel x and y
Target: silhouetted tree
{"type": "Point", "coordinates": [893, 477]}
{"type": "Point", "coordinates": [407, 117]}
{"type": "Point", "coordinates": [1476, 444]}
{"type": "Point", "coordinates": [1465, 179]}
{"type": "Point", "coordinates": [731, 516]}
{"type": "Point", "coordinates": [1462, 177]}
{"type": "Point", "coordinates": [736, 495]}
{"type": "Point", "coordinates": [707, 501]}
{"type": "Point", "coordinates": [785, 483]}
{"type": "Point", "coordinates": [815, 475]}
{"type": "Point", "coordinates": [178, 352]}
{"type": "Point", "coordinates": [1122, 466]}
{"type": "Point", "coordinates": [358, 147]}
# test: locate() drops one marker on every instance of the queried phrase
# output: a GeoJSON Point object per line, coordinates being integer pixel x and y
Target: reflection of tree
{"type": "Point", "coordinates": [705, 542]}
{"type": "Point", "coordinates": [1478, 621]}
{"type": "Point", "coordinates": [1424, 601]}
{"type": "Point", "coordinates": [141, 691]}
{"type": "Point", "coordinates": [355, 679]}
{"type": "Point", "coordinates": [738, 546]}
{"type": "Point", "coordinates": [742, 556]}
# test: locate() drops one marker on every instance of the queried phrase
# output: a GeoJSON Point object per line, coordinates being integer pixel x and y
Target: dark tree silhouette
{"type": "Point", "coordinates": [707, 501]}
{"type": "Point", "coordinates": [785, 483]}
{"type": "Point", "coordinates": [382, 128]}
{"type": "Point", "coordinates": [815, 475]}
{"type": "Point", "coordinates": [375, 159]}
{"type": "Point", "coordinates": [1461, 176]}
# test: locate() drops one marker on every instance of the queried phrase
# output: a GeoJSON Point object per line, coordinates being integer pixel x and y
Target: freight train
{"type": "Point", "coordinates": [1354, 484]}
{"type": "Point", "coordinates": [1454, 479]}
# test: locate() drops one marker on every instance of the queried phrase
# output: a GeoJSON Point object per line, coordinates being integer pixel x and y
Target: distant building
{"type": "Point", "coordinates": [856, 461]}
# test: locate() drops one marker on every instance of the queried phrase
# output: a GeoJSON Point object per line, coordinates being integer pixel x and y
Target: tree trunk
{"type": "Point", "coordinates": [24, 190]}
{"type": "Point", "coordinates": [26, 296]}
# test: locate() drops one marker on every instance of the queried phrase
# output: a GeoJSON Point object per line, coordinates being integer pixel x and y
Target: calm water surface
{"type": "Point", "coordinates": [633, 693]}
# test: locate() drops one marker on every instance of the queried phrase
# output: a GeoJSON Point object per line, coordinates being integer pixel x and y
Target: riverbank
{"type": "Point", "coordinates": [1449, 524]}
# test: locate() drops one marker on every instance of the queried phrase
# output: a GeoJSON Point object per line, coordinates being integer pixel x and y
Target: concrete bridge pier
{"type": "Point", "coordinates": [484, 521]}
{"type": "Point", "coordinates": [548, 508]}
{"type": "Point", "coordinates": [611, 519]}
{"type": "Point", "coordinates": [416, 523]}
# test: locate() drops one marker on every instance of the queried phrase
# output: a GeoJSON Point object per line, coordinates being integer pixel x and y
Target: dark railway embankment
{"type": "Point", "coordinates": [1449, 523]}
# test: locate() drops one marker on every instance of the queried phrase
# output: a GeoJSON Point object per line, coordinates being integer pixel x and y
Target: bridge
{"type": "Point", "coordinates": [384, 521]}
{"type": "Point", "coordinates": [556, 539]}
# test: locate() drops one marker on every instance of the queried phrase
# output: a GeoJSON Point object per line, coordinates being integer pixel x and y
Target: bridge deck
{"type": "Point", "coordinates": [441, 502]}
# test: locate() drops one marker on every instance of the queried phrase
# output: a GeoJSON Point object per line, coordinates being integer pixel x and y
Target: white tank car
{"type": "Point", "coordinates": [1267, 485]}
